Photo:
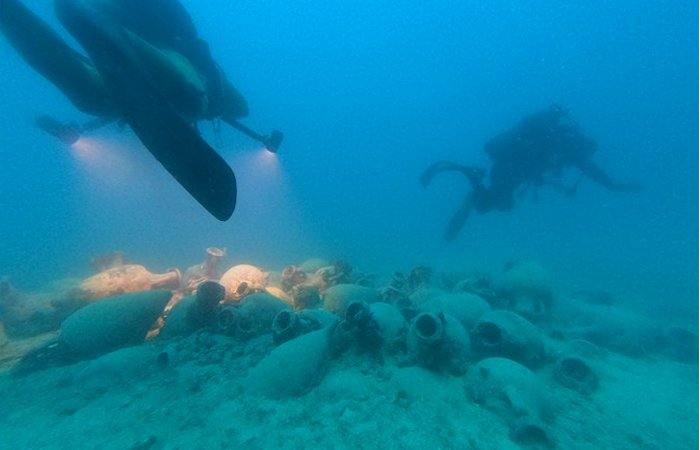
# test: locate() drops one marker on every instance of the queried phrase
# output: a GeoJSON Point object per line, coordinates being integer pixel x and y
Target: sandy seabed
{"type": "Point", "coordinates": [192, 393]}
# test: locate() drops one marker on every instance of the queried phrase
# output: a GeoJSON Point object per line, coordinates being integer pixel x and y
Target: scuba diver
{"type": "Point", "coordinates": [532, 154]}
{"type": "Point", "coordinates": [146, 67]}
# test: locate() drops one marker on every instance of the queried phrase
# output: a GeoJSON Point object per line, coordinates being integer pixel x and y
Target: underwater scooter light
{"type": "Point", "coordinates": [271, 142]}
{"type": "Point", "coordinates": [69, 132]}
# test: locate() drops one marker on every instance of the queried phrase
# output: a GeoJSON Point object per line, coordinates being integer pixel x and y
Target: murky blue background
{"type": "Point", "coordinates": [368, 94]}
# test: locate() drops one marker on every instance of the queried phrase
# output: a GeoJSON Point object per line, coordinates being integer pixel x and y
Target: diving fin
{"type": "Point", "coordinates": [169, 138]}
{"type": "Point", "coordinates": [47, 53]}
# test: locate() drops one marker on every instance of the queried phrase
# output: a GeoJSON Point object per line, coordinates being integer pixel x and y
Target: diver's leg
{"type": "Point", "coordinates": [459, 218]}
{"type": "Point", "coordinates": [44, 50]}
{"type": "Point", "coordinates": [473, 174]}
{"type": "Point", "coordinates": [163, 23]}
{"type": "Point", "coordinates": [433, 170]}
{"type": "Point", "coordinates": [595, 173]}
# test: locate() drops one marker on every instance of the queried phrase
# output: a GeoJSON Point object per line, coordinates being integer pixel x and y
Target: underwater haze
{"type": "Point", "coordinates": [368, 94]}
{"type": "Point", "coordinates": [570, 321]}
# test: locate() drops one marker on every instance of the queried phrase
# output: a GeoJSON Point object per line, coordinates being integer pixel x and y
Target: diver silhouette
{"type": "Point", "coordinates": [147, 67]}
{"type": "Point", "coordinates": [532, 154]}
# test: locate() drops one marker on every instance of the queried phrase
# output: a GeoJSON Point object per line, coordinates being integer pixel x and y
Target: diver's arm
{"type": "Point", "coordinates": [474, 174]}
{"type": "Point", "coordinates": [229, 103]}
{"type": "Point", "coordinates": [595, 173]}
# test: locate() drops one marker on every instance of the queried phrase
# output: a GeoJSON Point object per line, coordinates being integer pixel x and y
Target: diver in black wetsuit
{"type": "Point", "coordinates": [532, 154]}
{"type": "Point", "coordinates": [160, 35]}
{"type": "Point", "coordinates": [146, 66]}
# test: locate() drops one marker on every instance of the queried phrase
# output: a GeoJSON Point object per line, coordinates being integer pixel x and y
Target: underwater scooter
{"type": "Point", "coordinates": [70, 132]}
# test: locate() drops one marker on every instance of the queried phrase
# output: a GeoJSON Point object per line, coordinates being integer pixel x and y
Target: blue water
{"type": "Point", "coordinates": [369, 93]}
